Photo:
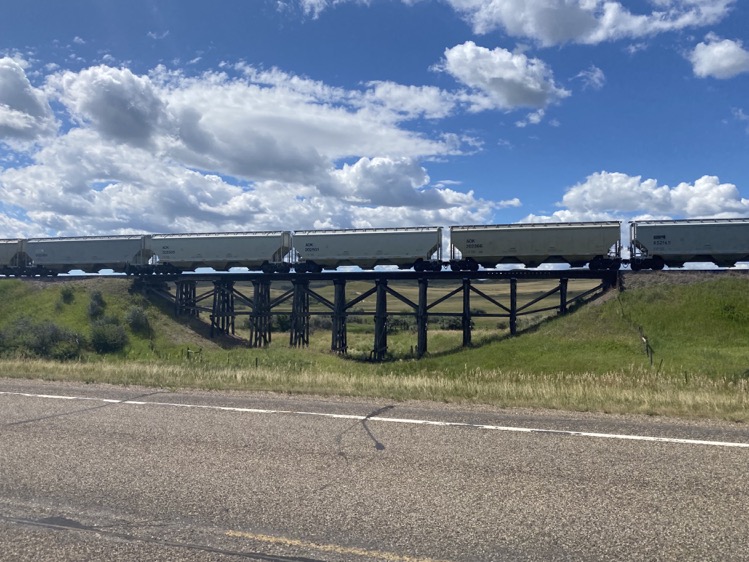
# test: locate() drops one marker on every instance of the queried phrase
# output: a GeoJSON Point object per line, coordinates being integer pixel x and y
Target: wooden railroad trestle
{"type": "Point", "coordinates": [261, 306]}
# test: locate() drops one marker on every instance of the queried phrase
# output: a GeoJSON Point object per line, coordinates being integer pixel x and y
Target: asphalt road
{"type": "Point", "coordinates": [142, 474]}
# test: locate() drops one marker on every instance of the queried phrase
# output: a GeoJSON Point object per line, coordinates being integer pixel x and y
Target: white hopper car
{"type": "Point", "coordinates": [417, 247]}
{"type": "Point", "coordinates": [531, 244]}
{"type": "Point", "coordinates": [672, 243]}
{"type": "Point", "coordinates": [267, 251]}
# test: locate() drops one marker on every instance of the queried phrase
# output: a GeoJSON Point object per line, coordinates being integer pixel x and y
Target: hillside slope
{"type": "Point", "coordinates": [695, 362]}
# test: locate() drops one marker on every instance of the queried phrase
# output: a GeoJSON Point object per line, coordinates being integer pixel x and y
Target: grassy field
{"type": "Point", "coordinates": [592, 359]}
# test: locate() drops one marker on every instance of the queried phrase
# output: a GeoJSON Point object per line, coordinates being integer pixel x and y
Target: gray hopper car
{"type": "Point", "coordinates": [12, 256]}
{"type": "Point", "coordinates": [268, 251]}
{"type": "Point", "coordinates": [655, 244]}
{"type": "Point", "coordinates": [418, 247]}
{"type": "Point", "coordinates": [594, 243]}
{"type": "Point", "coordinates": [90, 253]}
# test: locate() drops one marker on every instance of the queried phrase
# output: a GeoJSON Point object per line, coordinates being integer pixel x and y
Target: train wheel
{"type": "Point", "coordinates": [597, 263]}
{"type": "Point", "coordinates": [657, 263]}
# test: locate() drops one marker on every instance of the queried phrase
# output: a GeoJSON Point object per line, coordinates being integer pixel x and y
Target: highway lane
{"type": "Point", "coordinates": [93, 471]}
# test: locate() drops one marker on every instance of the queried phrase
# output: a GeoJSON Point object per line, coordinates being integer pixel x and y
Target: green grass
{"type": "Point", "coordinates": [592, 359]}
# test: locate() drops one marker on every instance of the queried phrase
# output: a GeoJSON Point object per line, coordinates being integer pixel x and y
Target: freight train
{"type": "Point", "coordinates": [596, 245]}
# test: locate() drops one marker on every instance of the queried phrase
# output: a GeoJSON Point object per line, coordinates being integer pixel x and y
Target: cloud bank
{"type": "Point", "coordinates": [241, 149]}
{"type": "Point", "coordinates": [613, 195]}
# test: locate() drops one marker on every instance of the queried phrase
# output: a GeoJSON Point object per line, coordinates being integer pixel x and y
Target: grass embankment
{"type": "Point", "coordinates": [593, 359]}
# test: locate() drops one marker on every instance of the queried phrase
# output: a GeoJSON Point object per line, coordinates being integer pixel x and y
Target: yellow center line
{"type": "Point", "coordinates": [388, 556]}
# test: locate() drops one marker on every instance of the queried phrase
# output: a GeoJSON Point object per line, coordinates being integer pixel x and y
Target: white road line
{"type": "Point", "coordinates": [392, 420]}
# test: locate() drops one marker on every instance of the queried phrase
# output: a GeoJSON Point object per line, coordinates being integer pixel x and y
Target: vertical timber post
{"type": "Point", "coordinates": [260, 319]}
{"type": "Point", "coordinates": [338, 340]}
{"type": "Point", "coordinates": [381, 321]}
{"type": "Point", "coordinates": [421, 319]}
{"type": "Point", "coordinates": [299, 336]}
{"type": "Point", "coordinates": [563, 296]}
{"type": "Point", "coordinates": [222, 315]}
{"type": "Point", "coordinates": [513, 306]}
{"type": "Point", "coordinates": [186, 301]}
{"type": "Point", "coordinates": [466, 312]}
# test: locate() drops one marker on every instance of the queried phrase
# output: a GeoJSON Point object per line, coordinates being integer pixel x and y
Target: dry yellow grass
{"type": "Point", "coordinates": [614, 392]}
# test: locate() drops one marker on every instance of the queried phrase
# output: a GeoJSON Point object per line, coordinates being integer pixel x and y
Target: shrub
{"type": "Point", "coordinates": [108, 336]}
{"type": "Point", "coordinates": [67, 349]}
{"type": "Point", "coordinates": [137, 319]}
{"type": "Point", "coordinates": [397, 324]}
{"type": "Point", "coordinates": [44, 340]}
{"type": "Point", "coordinates": [281, 323]}
{"type": "Point", "coordinates": [320, 323]}
{"type": "Point", "coordinates": [96, 305]}
{"type": "Point", "coordinates": [451, 323]}
{"type": "Point", "coordinates": [67, 294]}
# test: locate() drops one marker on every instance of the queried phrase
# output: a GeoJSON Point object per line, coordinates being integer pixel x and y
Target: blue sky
{"type": "Point", "coordinates": [186, 115]}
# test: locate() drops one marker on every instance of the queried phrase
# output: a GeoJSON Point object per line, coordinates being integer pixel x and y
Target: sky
{"type": "Point", "coordinates": [252, 115]}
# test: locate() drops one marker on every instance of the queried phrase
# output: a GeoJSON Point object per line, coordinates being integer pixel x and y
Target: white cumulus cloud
{"type": "Point", "coordinates": [607, 195]}
{"type": "Point", "coordinates": [719, 58]}
{"type": "Point", "coordinates": [25, 114]}
{"type": "Point", "coordinates": [502, 79]}
{"type": "Point", "coordinates": [409, 102]}
{"type": "Point", "coordinates": [114, 101]}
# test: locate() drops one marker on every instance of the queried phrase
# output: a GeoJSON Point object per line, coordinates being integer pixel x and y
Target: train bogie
{"type": "Point", "coordinates": [87, 253]}
{"type": "Point", "coordinates": [654, 244]}
{"type": "Point", "coordinates": [221, 251]}
{"type": "Point", "coordinates": [417, 247]}
{"type": "Point", "coordinates": [532, 244]}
